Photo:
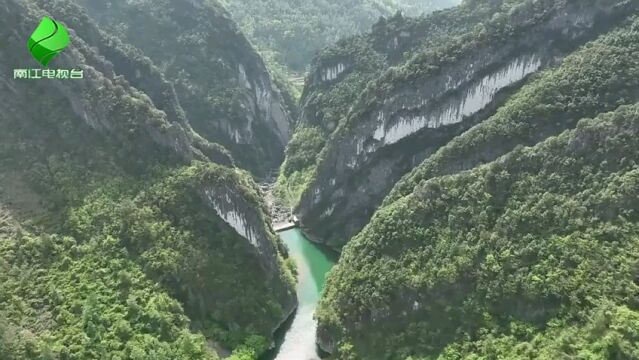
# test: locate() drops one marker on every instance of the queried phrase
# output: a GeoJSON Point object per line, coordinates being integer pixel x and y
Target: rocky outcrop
{"type": "Point", "coordinates": [388, 135]}
{"type": "Point", "coordinates": [247, 220]}
{"type": "Point", "coordinates": [329, 73]}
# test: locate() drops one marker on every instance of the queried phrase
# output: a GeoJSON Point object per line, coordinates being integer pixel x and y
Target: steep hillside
{"type": "Point", "coordinates": [220, 81]}
{"type": "Point", "coordinates": [293, 31]}
{"type": "Point", "coordinates": [339, 74]}
{"type": "Point", "coordinates": [449, 84]}
{"type": "Point", "coordinates": [534, 255]}
{"type": "Point", "coordinates": [123, 232]}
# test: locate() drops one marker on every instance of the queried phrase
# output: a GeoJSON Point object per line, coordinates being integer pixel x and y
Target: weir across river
{"type": "Point", "coordinates": [284, 226]}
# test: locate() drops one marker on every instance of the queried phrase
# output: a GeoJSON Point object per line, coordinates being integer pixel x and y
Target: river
{"type": "Point", "coordinates": [298, 339]}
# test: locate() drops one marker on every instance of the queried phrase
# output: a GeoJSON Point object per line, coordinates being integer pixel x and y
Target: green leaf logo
{"type": "Point", "coordinates": [48, 40]}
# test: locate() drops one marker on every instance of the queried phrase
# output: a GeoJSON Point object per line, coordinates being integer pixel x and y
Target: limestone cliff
{"type": "Point", "coordinates": [412, 110]}
{"type": "Point", "coordinates": [220, 81]}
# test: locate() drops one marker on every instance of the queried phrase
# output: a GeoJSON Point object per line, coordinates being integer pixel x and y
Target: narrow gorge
{"type": "Point", "coordinates": [451, 180]}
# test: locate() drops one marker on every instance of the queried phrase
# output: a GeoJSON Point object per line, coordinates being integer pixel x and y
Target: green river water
{"type": "Point", "coordinates": [297, 341]}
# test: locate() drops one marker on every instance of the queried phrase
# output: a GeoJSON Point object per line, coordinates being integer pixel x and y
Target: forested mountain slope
{"type": "Point", "coordinates": [386, 122]}
{"type": "Point", "coordinates": [123, 232]}
{"type": "Point", "coordinates": [293, 31]}
{"type": "Point", "coordinates": [535, 255]}
{"type": "Point", "coordinates": [339, 74]}
{"type": "Point", "coordinates": [220, 81]}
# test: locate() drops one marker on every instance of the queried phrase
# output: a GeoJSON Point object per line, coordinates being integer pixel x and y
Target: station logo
{"type": "Point", "coordinates": [48, 40]}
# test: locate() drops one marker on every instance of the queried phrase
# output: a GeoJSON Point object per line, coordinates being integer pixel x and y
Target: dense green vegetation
{"type": "Point", "coordinates": [534, 255]}
{"type": "Point", "coordinates": [291, 32]}
{"type": "Point", "coordinates": [64, 297]}
{"type": "Point", "coordinates": [166, 227]}
{"type": "Point", "coordinates": [393, 44]}
{"type": "Point", "coordinates": [301, 154]}
{"type": "Point", "coordinates": [112, 245]}
{"type": "Point", "coordinates": [109, 287]}
{"type": "Point", "coordinates": [531, 256]}
{"type": "Point", "coordinates": [323, 112]}
{"type": "Point", "coordinates": [430, 94]}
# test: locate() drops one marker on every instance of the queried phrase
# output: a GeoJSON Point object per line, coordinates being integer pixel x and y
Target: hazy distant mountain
{"type": "Point", "coordinates": [292, 31]}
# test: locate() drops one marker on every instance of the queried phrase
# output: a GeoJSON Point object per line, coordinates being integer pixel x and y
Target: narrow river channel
{"type": "Point", "coordinates": [298, 340]}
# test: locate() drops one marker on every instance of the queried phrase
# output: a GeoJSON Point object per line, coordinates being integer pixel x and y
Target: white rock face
{"type": "Point", "coordinates": [266, 108]}
{"type": "Point", "coordinates": [329, 211]}
{"type": "Point", "coordinates": [317, 195]}
{"type": "Point", "coordinates": [243, 79]}
{"type": "Point", "coordinates": [333, 72]}
{"type": "Point", "coordinates": [273, 110]}
{"type": "Point", "coordinates": [232, 217]}
{"type": "Point", "coordinates": [475, 99]}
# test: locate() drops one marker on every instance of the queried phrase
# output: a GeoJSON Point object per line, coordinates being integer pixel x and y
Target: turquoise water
{"type": "Point", "coordinates": [313, 263]}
